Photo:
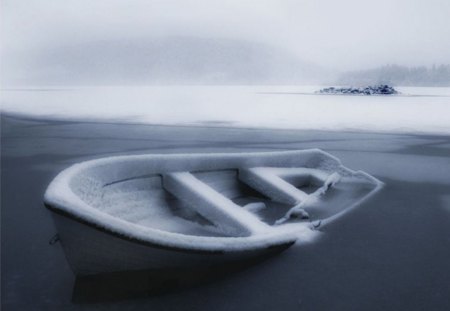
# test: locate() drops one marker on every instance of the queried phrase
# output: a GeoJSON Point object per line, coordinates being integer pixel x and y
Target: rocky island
{"type": "Point", "coordinates": [382, 89]}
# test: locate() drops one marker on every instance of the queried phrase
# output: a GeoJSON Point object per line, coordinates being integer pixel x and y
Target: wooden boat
{"type": "Point", "coordinates": [143, 212]}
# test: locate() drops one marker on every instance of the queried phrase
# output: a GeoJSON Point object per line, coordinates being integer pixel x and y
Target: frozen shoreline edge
{"type": "Point", "coordinates": [216, 124]}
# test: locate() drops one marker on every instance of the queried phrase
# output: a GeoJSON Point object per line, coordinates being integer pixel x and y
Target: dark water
{"type": "Point", "coordinates": [392, 253]}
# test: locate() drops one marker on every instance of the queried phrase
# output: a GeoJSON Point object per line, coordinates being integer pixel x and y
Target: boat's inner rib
{"type": "Point", "coordinates": [224, 213]}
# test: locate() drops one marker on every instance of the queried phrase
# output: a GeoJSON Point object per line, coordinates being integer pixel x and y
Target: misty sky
{"type": "Point", "coordinates": [340, 35]}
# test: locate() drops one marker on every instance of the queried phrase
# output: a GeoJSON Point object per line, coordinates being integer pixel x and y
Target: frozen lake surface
{"type": "Point", "coordinates": [392, 253]}
{"type": "Point", "coordinates": [416, 109]}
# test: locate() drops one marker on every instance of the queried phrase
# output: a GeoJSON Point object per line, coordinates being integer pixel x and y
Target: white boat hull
{"type": "Point", "coordinates": [91, 250]}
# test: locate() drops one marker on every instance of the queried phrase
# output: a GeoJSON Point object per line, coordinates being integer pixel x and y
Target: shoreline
{"type": "Point", "coordinates": [209, 124]}
{"type": "Point", "coordinates": [241, 107]}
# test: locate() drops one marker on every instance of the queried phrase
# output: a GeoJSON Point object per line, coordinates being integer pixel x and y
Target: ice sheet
{"type": "Point", "coordinates": [425, 110]}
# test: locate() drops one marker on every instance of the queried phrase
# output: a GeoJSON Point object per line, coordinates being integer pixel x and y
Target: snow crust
{"type": "Point", "coordinates": [81, 190]}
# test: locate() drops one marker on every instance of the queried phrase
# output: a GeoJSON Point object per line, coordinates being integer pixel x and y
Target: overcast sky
{"type": "Point", "coordinates": [344, 34]}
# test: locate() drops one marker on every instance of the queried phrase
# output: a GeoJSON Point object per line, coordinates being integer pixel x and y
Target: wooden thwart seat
{"type": "Point", "coordinates": [271, 181]}
{"type": "Point", "coordinates": [226, 215]}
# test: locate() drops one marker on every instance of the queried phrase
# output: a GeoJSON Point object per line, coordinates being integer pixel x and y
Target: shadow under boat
{"type": "Point", "coordinates": [124, 285]}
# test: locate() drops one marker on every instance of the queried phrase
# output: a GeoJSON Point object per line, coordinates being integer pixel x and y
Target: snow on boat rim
{"type": "Point", "coordinates": [61, 198]}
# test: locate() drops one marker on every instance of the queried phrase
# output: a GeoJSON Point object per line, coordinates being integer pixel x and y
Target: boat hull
{"type": "Point", "coordinates": [92, 250]}
{"type": "Point", "coordinates": [183, 211]}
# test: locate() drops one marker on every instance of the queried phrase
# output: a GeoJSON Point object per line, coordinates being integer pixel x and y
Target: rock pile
{"type": "Point", "coordinates": [382, 89]}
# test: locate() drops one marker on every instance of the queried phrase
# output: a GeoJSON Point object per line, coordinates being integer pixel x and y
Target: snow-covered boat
{"type": "Point", "coordinates": [143, 212]}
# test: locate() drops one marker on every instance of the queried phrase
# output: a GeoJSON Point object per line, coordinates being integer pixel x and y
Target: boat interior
{"type": "Point", "coordinates": [224, 202]}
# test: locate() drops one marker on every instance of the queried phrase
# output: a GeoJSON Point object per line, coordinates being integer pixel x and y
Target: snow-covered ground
{"type": "Point", "coordinates": [425, 110]}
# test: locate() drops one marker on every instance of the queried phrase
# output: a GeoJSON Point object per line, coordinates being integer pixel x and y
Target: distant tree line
{"type": "Point", "coordinates": [399, 75]}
